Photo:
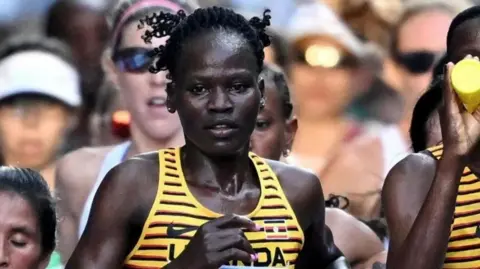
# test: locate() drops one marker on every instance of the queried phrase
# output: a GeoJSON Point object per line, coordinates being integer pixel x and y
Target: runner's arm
{"type": "Point", "coordinates": [419, 210]}
{"type": "Point", "coordinates": [320, 247]}
{"type": "Point", "coordinates": [354, 238]}
{"type": "Point", "coordinates": [106, 242]}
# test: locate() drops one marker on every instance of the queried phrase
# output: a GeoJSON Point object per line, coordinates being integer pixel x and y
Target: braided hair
{"type": "Point", "coordinates": [180, 27]}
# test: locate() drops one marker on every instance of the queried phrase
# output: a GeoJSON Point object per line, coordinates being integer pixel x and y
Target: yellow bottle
{"type": "Point", "coordinates": [466, 82]}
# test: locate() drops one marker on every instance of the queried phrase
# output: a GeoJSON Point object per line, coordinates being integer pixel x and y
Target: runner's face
{"type": "Point", "coordinates": [217, 92]}
{"type": "Point", "coordinates": [144, 93]}
{"type": "Point", "coordinates": [269, 138]}
{"type": "Point", "coordinates": [20, 236]}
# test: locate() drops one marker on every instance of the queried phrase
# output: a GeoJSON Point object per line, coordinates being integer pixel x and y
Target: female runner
{"type": "Point", "coordinates": [211, 202]}
{"type": "Point", "coordinates": [152, 127]}
{"type": "Point", "coordinates": [431, 198]}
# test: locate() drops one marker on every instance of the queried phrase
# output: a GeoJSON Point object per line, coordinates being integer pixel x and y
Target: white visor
{"type": "Point", "coordinates": [38, 72]}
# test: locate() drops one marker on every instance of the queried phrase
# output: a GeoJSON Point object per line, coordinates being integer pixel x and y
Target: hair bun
{"type": "Point", "coordinates": [260, 25]}
{"type": "Point", "coordinates": [161, 24]}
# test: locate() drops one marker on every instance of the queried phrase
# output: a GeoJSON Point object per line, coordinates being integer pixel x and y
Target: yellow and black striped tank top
{"type": "Point", "coordinates": [464, 243]}
{"type": "Point", "coordinates": [176, 215]}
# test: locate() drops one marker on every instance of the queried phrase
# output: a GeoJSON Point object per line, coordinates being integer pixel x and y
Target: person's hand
{"type": "Point", "coordinates": [460, 129]}
{"type": "Point", "coordinates": [219, 241]}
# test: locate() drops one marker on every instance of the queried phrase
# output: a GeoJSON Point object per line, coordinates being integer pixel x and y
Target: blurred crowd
{"type": "Point", "coordinates": [76, 99]}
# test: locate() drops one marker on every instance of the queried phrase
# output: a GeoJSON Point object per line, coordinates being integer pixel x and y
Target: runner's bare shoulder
{"type": "Point", "coordinates": [413, 175]}
{"type": "Point", "coordinates": [132, 183]}
{"type": "Point", "coordinates": [301, 187]}
{"type": "Point", "coordinates": [405, 190]}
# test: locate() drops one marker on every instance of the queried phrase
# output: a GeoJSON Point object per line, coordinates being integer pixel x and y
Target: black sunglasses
{"type": "Point", "coordinates": [418, 62]}
{"type": "Point", "coordinates": [133, 59]}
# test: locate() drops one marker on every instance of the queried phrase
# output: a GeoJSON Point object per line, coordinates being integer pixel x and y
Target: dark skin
{"type": "Point", "coordinates": [216, 81]}
{"type": "Point", "coordinates": [273, 133]}
{"type": "Point", "coordinates": [420, 192]}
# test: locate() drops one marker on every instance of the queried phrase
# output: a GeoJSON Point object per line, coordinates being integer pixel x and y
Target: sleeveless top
{"type": "Point", "coordinates": [464, 243]}
{"type": "Point", "coordinates": [176, 215]}
{"type": "Point", "coordinates": [114, 157]}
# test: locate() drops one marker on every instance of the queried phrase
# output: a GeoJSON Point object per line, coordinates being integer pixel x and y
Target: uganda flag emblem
{"type": "Point", "coordinates": [275, 229]}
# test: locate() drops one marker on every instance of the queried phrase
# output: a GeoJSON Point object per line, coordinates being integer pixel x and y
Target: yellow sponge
{"type": "Point", "coordinates": [466, 82]}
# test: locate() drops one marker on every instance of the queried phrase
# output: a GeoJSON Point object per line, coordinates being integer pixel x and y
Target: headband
{"type": "Point", "coordinates": [141, 5]}
{"type": "Point", "coordinates": [39, 72]}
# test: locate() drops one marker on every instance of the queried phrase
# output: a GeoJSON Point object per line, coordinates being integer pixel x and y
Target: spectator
{"type": "Point", "coordinates": [331, 67]}
{"type": "Point", "coordinates": [39, 96]}
{"type": "Point", "coordinates": [418, 43]}
{"type": "Point", "coordinates": [83, 27]}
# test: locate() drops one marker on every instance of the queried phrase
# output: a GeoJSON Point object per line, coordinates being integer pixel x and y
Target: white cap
{"type": "Point", "coordinates": [317, 19]}
{"type": "Point", "coordinates": [39, 72]}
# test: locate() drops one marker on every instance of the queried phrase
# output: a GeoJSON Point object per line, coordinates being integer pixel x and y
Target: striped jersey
{"type": "Point", "coordinates": [176, 215]}
{"type": "Point", "coordinates": [464, 243]}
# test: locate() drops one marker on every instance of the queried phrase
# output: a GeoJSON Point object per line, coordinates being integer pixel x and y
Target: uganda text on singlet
{"type": "Point", "coordinates": [176, 215]}
{"type": "Point", "coordinates": [464, 243]}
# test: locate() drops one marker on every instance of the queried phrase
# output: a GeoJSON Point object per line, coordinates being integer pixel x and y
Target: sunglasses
{"type": "Point", "coordinates": [418, 62]}
{"type": "Point", "coordinates": [326, 57]}
{"type": "Point", "coordinates": [133, 59]}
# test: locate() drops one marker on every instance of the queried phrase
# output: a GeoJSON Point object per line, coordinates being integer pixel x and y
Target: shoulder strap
{"type": "Point", "coordinates": [435, 151]}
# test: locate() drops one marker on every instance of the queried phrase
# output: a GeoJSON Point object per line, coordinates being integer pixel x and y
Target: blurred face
{"type": "Point", "coordinates": [31, 131]}
{"type": "Point", "coordinates": [20, 236]}
{"type": "Point", "coordinates": [273, 132]}
{"type": "Point", "coordinates": [143, 91]}
{"type": "Point", "coordinates": [421, 42]}
{"type": "Point", "coordinates": [86, 32]}
{"type": "Point", "coordinates": [217, 93]}
{"type": "Point", "coordinates": [324, 79]}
